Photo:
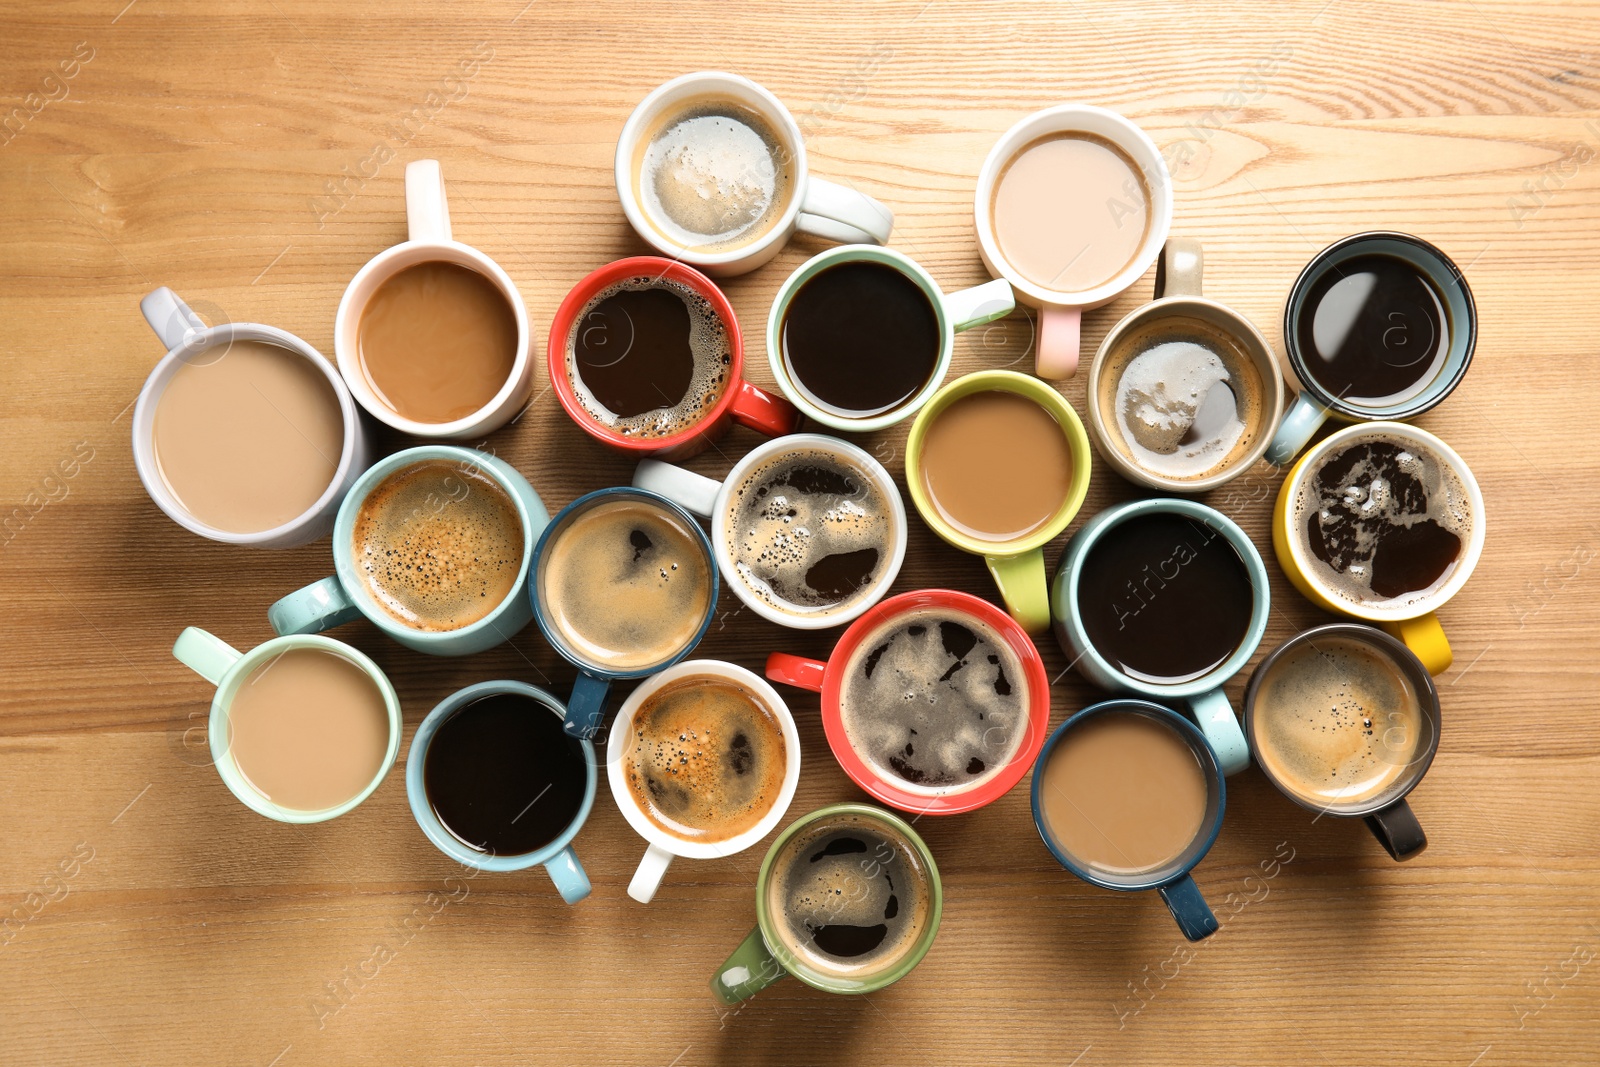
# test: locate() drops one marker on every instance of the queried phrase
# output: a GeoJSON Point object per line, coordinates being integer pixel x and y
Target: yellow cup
{"type": "Point", "coordinates": [1413, 621]}
{"type": "Point", "coordinates": [1017, 565]}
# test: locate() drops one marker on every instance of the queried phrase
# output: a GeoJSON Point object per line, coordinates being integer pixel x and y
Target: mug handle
{"type": "Point", "coordinates": [1194, 915]}
{"type": "Point", "coordinates": [750, 969]}
{"type": "Point", "coordinates": [1217, 721]}
{"type": "Point", "coordinates": [761, 411]}
{"type": "Point", "coordinates": [319, 606]}
{"type": "Point", "coordinates": [571, 880]}
{"type": "Point", "coordinates": [966, 308]}
{"type": "Point", "coordinates": [842, 214]}
{"type": "Point", "coordinates": [427, 212]}
{"type": "Point", "coordinates": [1296, 429]}
{"type": "Point", "coordinates": [587, 705]}
{"type": "Point", "coordinates": [169, 317]}
{"type": "Point", "coordinates": [695, 492]}
{"type": "Point", "coordinates": [1398, 830]}
{"type": "Point", "coordinates": [1023, 588]}
{"type": "Point", "coordinates": [1424, 636]}
{"type": "Point", "coordinates": [206, 654]}
{"type": "Point", "coordinates": [1059, 336]}
{"type": "Point", "coordinates": [1180, 267]}
{"type": "Point", "coordinates": [797, 671]}
{"type": "Point", "coordinates": [647, 879]}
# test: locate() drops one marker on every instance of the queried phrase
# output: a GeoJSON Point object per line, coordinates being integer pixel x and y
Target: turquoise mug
{"type": "Point", "coordinates": [1203, 695]}
{"type": "Point", "coordinates": [558, 858]}
{"type": "Point", "coordinates": [344, 597]}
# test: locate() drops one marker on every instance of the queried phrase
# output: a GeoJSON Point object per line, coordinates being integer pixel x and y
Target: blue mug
{"type": "Point", "coordinates": [558, 858]}
{"type": "Point", "coordinates": [587, 704]}
{"type": "Point", "coordinates": [1172, 880]}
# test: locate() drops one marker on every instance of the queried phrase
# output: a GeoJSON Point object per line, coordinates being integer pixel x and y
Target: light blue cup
{"type": "Point", "coordinates": [587, 704]}
{"type": "Point", "coordinates": [558, 858]}
{"type": "Point", "coordinates": [343, 597]}
{"type": "Point", "coordinates": [1203, 696]}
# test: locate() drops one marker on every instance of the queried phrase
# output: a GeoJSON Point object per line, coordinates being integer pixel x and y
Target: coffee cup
{"type": "Point", "coordinates": [1165, 599]}
{"type": "Point", "coordinates": [433, 545]}
{"type": "Point", "coordinates": [1184, 392]}
{"type": "Point", "coordinates": [860, 337]}
{"type": "Point", "coordinates": [431, 335]}
{"type": "Point", "coordinates": [934, 702]}
{"type": "Point", "coordinates": [809, 530]}
{"type": "Point", "coordinates": [244, 433]}
{"type": "Point", "coordinates": [1128, 795]}
{"type": "Point", "coordinates": [496, 784]}
{"type": "Point", "coordinates": [711, 170]}
{"type": "Point", "coordinates": [998, 465]}
{"type": "Point", "coordinates": [1378, 326]}
{"type": "Point", "coordinates": [848, 900]}
{"type": "Point", "coordinates": [623, 584]}
{"type": "Point", "coordinates": [1382, 522]}
{"type": "Point", "coordinates": [719, 793]}
{"type": "Point", "coordinates": [646, 356]}
{"type": "Point", "coordinates": [1073, 204]}
{"type": "Point", "coordinates": [302, 729]}
{"type": "Point", "coordinates": [1344, 720]}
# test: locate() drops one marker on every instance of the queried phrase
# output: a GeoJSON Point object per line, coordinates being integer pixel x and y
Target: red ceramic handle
{"type": "Point", "coordinates": [762, 412]}
{"type": "Point", "coordinates": [797, 671]}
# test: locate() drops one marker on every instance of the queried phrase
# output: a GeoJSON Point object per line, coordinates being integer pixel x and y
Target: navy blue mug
{"type": "Point", "coordinates": [623, 584]}
{"type": "Point", "coordinates": [1170, 877]}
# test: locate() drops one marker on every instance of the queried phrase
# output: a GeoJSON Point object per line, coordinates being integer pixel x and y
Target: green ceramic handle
{"type": "Point", "coordinates": [748, 971]}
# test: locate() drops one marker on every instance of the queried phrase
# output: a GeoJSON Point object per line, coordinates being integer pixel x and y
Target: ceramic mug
{"type": "Point", "coordinates": [821, 208]}
{"type": "Point", "coordinates": [228, 669]}
{"type": "Point", "coordinates": [828, 679]}
{"type": "Point", "coordinates": [557, 858]}
{"type": "Point", "coordinates": [1315, 404]}
{"type": "Point", "coordinates": [1172, 880]}
{"type": "Point", "coordinates": [1017, 566]}
{"type": "Point", "coordinates": [1060, 312]}
{"type": "Point", "coordinates": [1177, 301]}
{"type": "Point", "coordinates": [1413, 619]}
{"type": "Point", "coordinates": [1203, 695]}
{"type": "Point", "coordinates": [664, 847]}
{"type": "Point", "coordinates": [430, 240]}
{"type": "Point", "coordinates": [958, 311]}
{"type": "Point", "coordinates": [188, 341]}
{"type": "Point", "coordinates": [343, 597]}
{"type": "Point", "coordinates": [738, 402]}
{"type": "Point", "coordinates": [711, 499]}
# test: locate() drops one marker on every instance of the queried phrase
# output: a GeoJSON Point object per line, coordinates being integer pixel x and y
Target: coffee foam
{"type": "Point", "coordinates": [935, 701]}
{"type": "Point", "coordinates": [1336, 722]}
{"type": "Point", "coordinates": [707, 758]}
{"type": "Point", "coordinates": [713, 358]}
{"type": "Point", "coordinates": [846, 880]}
{"type": "Point", "coordinates": [797, 510]}
{"type": "Point", "coordinates": [439, 545]}
{"type": "Point", "coordinates": [625, 584]}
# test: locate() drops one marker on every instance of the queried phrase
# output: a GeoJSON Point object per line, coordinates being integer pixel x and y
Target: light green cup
{"type": "Point", "coordinates": [228, 669]}
{"type": "Point", "coordinates": [1017, 565]}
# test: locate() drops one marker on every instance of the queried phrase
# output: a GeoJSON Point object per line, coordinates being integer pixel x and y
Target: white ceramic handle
{"type": "Point", "coordinates": [967, 308]}
{"type": "Point", "coordinates": [694, 492]}
{"type": "Point", "coordinates": [827, 201]}
{"type": "Point", "coordinates": [427, 213]}
{"type": "Point", "coordinates": [169, 317]}
{"type": "Point", "coordinates": [647, 879]}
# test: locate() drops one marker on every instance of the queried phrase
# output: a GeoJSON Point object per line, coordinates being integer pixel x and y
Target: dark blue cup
{"type": "Point", "coordinates": [587, 704]}
{"type": "Point", "coordinates": [1172, 879]}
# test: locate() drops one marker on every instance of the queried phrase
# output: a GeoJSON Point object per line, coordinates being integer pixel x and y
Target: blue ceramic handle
{"type": "Point", "coordinates": [569, 876]}
{"type": "Point", "coordinates": [1216, 720]}
{"type": "Point", "coordinates": [1189, 908]}
{"type": "Point", "coordinates": [1296, 429]}
{"type": "Point", "coordinates": [319, 606]}
{"type": "Point", "coordinates": [587, 705]}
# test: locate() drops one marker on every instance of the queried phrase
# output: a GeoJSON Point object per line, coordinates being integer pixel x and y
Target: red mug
{"type": "Point", "coordinates": [740, 402]}
{"type": "Point", "coordinates": [828, 679]}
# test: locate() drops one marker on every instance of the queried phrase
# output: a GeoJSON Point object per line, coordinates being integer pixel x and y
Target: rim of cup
{"type": "Point", "coordinates": [620, 735]}
{"type": "Point", "coordinates": [198, 343]}
{"type": "Point", "coordinates": [1099, 122]}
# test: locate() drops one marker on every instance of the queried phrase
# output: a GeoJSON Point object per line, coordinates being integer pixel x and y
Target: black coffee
{"type": "Point", "coordinates": [1373, 331]}
{"type": "Point", "coordinates": [861, 338]}
{"type": "Point", "coordinates": [1164, 598]}
{"type": "Point", "coordinates": [503, 776]}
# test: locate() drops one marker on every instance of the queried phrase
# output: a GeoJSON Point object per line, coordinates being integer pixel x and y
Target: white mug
{"type": "Point", "coordinates": [821, 208]}
{"type": "Point", "coordinates": [1061, 313]}
{"type": "Point", "coordinates": [188, 339]}
{"type": "Point", "coordinates": [430, 240]}
{"type": "Point", "coordinates": [664, 847]}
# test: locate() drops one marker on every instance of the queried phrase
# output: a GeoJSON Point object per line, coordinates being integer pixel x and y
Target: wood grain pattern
{"type": "Point", "coordinates": [161, 922]}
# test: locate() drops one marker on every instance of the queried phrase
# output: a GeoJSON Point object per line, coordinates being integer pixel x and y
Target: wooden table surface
{"type": "Point", "coordinates": [251, 157]}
